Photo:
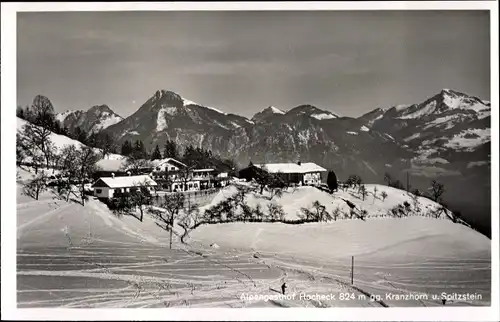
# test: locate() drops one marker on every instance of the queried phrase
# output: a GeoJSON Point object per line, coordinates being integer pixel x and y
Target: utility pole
{"type": "Point", "coordinates": [352, 270]}
{"type": "Point", "coordinates": [407, 181]}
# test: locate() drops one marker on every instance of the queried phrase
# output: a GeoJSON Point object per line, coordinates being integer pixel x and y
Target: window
{"type": "Point", "coordinates": [98, 190]}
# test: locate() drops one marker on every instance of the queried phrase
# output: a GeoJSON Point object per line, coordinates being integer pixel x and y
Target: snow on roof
{"type": "Point", "coordinates": [110, 165]}
{"type": "Point", "coordinates": [156, 163]}
{"type": "Point", "coordinates": [203, 170]}
{"type": "Point", "coordinates": [292, 167]}
{"type": "Point", "coordinates": [128, 181]}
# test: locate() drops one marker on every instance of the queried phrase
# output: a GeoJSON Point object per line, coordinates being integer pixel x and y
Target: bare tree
{"type": "Point", "coordinates": [21, 149]}
{"type": "Point", "coordinates": [375, 190]}
{"type": "Point", "coordinates": [142, 196]}
{"type": "Point", "coordinates": [383, 194]}
{"type": "Point", "coordinates": [135, 164]}
{"type": "Point", "coordinates": [437, 190]}
{"type": "Point", "coordinates": [86, 163]}
{"type": "Point", "coordinates": [170, 208]}
{"type": "Point", "coordinates": [69, 168]}
{"type": "Point", "coordinates": [336, 213]}
{"type": "Point", "coordinates": [37, 141]}
{"type": "Point", "coordinates": [318, 212]}
{"type": "Point", "coordinates": [189, 220]}
{"type": "Point", "coordinates": [35, 186]}
{"type": "Point", "coordinates": [42, 111]}
{"type": "Point", "coordinates": [275, 192]}
{"type": "Point", "coordinates": [363, 191]}
{"type": "Point", "coordinates": [262, 177]}
{"type": "Point", "coordinates": [185, 174]}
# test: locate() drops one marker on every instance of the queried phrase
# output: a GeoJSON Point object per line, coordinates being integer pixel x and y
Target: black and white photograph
{"type": "Point", "coordinates": [249, 158]}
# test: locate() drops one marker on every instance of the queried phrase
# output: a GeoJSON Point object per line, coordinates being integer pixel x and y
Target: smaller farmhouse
{"type": "Point", "coordinates": [307, 173]}
{"type": "Point", "coordinates": [107, 187]}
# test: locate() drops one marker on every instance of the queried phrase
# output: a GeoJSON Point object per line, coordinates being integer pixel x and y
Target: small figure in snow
{"type": "Point", "coordinates": [444, 301]}
{"type": "Point", "coordinates": [283, 287]}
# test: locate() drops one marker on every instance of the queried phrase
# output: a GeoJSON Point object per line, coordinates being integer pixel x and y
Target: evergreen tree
{"type": "Point", "coordinates": [139, 151]}
{"type": "Point", "coordinates": [331, 181]}
{"type": "Point", "coordinates": [156, 155]}
{"type": "Point", "coordinates": [126, 148]}
{"type": "Point", "coordinates": [171, 150]}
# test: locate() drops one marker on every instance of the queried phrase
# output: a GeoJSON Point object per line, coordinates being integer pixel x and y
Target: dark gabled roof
{"type": "Point", "coordinates": [100, 184]}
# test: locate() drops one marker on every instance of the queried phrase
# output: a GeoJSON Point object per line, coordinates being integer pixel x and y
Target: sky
{"type": "Point", "coordinates": [347, 62]}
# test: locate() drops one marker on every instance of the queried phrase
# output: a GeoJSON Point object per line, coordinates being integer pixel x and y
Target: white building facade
{"type": "Point", "coordinates": [108, 187]}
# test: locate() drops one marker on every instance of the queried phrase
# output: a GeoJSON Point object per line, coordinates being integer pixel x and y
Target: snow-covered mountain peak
{"type": "Point", "coordinates": [275, 110]}
{"type": "Point", "coordinates": [61, 116]}
{"type": "Point", "coordinates": [95, 119]}
{"type": "Point", "coordinates": [312, 111]}
{"type": "Point", "coordinates": [164, 94]}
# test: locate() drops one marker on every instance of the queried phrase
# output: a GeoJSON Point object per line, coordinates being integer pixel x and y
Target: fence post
{"type": "Point", "coordinates": [352, 270]}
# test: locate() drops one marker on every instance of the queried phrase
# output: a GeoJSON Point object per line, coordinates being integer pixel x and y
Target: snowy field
{"type": "Point", "coordinates": [74, 256]}
{"type": "Point", "coordinates": [83, 256]}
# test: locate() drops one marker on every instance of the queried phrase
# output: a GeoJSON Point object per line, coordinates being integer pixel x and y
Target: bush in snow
{"type": "Point", "coordinates": [258, 213]}
{"type": "Point", "coordinates": [317, 213]}
{"type": "Point", "coordinates": [456, 216]}
{"type": "Point", "coordinates": [336, 213]}
{"type": "Point", "coordinates": [363, 214]}
{"type": "Point", "coordinates": [276, 212]}
{"type": "Point", "coordinates": [437, 190]}
{"type": "Point", "coordinates": [354, 181]}
{"type": "Point", "coordinates": [417, 192]}
{"type": "Point", "coordinates": [383, 195]}
{"type": "Point", "coordinates": [247, 212]}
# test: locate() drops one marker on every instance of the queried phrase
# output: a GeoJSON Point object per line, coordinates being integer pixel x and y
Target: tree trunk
{"type": "Point", "coordinates": [140, 208]}
{"type": "Point", "coordinates": [83, 194]}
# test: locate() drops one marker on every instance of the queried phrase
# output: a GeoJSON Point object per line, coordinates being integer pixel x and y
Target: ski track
{"type": "Point", "coordinates": [137, 271]}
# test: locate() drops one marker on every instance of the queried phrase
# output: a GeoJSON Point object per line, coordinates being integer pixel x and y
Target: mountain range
{"type": "Point", "coordinates": [96, 119]}
{"type": "Point", "coordinates": [444, 137]}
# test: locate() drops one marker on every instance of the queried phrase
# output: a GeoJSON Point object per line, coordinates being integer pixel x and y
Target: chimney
{"type": "Point", "coordinates": [299, 163]}
{"type": "Point", "coordinates": [113, 175]}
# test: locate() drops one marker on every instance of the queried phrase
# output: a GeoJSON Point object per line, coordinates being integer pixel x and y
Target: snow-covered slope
{"type": "Point", "coordinates": [414, 254]}
{"type": "Point", "coordinates": [122, 262]}
{"type": "Point", "coordinates": [374, 204]}
{"type": "Point", "coordinates": [60, 141]}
